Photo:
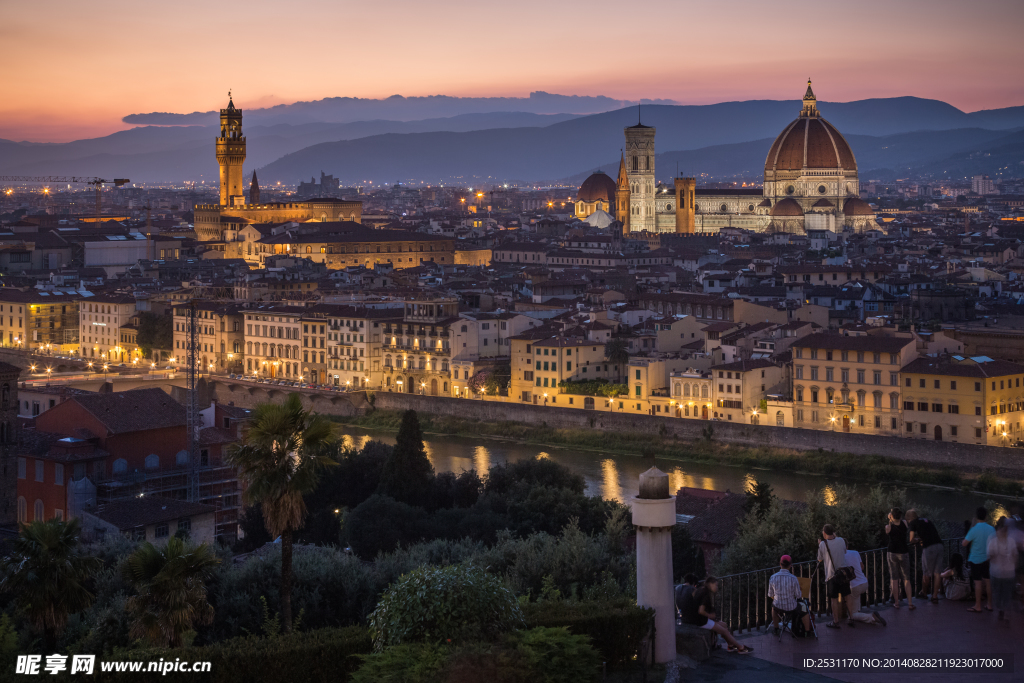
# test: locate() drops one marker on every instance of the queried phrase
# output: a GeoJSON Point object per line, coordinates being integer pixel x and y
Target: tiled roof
{"type": "Point", "coordinates": [122, 412]}
{"type": "Point", "coordinates": [948, 367]}
{"type": "Point", "coordinates": [822, 340]}
{"type": "Point", "coordinates": [133, 512]}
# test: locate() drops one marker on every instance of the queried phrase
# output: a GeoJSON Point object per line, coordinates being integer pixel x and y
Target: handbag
{"type": "Point", "coordinates": [845, 573]}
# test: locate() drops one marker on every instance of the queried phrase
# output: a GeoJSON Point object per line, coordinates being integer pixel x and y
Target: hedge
{"type": "Point", "coordinates": [616, 628]}
{"type": "Point", "coordinates": [327, 655]}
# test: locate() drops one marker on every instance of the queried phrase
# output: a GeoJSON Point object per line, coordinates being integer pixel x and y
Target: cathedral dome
{"type": "Point", "coordinates": [787, 208]}
{"type": "Point", "coordinates": [598, 187]}
{"type": "Point", "coordinates": [810, 142]}
{"type": "Point", "coordinates": [857, 207]}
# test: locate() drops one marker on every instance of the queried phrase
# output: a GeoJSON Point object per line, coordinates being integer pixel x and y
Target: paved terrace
{"type": "Point", "coordinates": [942, 630]}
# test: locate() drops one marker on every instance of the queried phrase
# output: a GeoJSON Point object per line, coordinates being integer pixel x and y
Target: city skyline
{"type": "Point", "coordinates": [91, 73]}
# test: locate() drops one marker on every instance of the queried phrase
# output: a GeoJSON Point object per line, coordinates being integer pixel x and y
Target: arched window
{"type": "Point", "coordinates": [38, 511]}
{"type": "Point", "coordinates": [309, 250]}
{"type": "Point", "coordinates": [686, 389]}
{"type": "Point", "coordinates": [5, 396]}
{"type": "Point", "coordinates": [120, 466]}
{"type": "Point", "coordinates": [704, 391]}
{"type": "Point", "coordinates": [780, 419]}
{"type": "Point", "coordinates": [22, 510]}
{"type": "Point", "coordinates": [181, 457]}
{"type": "Point", "coordinates": [152, 461]}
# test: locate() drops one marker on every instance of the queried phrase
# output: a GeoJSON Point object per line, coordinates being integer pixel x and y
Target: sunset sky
{"type": "Point", "coordinates": [72, 69]}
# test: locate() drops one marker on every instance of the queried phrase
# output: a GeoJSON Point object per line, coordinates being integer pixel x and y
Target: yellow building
{"type": "Point", "coordinates": [849, 384]}
{"type": "Point", "coordinates": [219, 335]}
{"type": "Point", "coordinates": [102, 322]}
{"type": "Point", "coordinates": [966, 400]}
{"type": "Point", "coordinates": [740, 387]}
{"type": "Point", "coordinates": [692, 394]}
{"type": "Point", "coordinates": [540, 361]}
{"type": "Point", "coordinates": [35, 319]}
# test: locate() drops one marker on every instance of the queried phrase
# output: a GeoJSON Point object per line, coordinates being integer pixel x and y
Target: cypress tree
{"type": "Point", "coordinates": [407, 473]}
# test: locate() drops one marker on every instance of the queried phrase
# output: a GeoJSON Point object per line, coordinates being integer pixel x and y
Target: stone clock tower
{"type": "Point", "coordinates": [640, 171]}
{"type": "Point", "coordinates": [230, 155]}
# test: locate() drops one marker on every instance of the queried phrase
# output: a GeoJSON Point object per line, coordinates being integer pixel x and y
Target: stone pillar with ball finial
{"type": "Point", "coordinates": [654, 515]}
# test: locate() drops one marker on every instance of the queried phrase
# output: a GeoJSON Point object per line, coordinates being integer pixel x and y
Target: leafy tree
{"type": "Point", "coordinates": [616, 350]}
{"type": "Point", "coordinates": [536, 471]}
{"type": "Point", "coordinates": [254, 528]}
{"type": "Point", "coordinates": [444, 604]}
{"type": "Point", "coordinates": [760, 498]}
{"type": "Point", "coordinates": [497, 382]}
{"type": "Point", "coordinates": [170, 584]}
{"type": "Point", "coordinates": [156, 332]}
{"type": "Point", "coordinates": [47, 576]}
{"type": "Point", "coordinates": [407, 473]}
{"type": "Point", "coordinates": [381, 524]}
{"type": "Point", "coordinates": [279, 461]}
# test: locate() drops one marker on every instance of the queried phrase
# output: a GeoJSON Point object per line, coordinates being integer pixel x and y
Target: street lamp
{"type": "Point", "coordinates": [833, 421]}
{"type": "Point", "coordinates": [48, 371]}
{"type": "Point", "coordinates": [105, 366]}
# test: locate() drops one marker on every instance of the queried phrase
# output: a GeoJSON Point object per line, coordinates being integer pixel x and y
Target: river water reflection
{"type": "Point", "coordinates": [615, 477]}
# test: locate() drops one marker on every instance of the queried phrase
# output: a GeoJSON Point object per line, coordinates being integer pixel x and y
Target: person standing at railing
{"type": "Point", "coordinates": [1003, 550]}
{"type": "Point", "coordinates": [832, 553]}
{"type": "Point", "coordinates": [784, 591]}
{"type": "Point", "coordinates": [923, 532]}
{"type": "Point", "coordinates": [977, 558]}
{"type": "Point", "coordinates": [858, 587]}
{"type": "Point", "coordinates": [898, 554]}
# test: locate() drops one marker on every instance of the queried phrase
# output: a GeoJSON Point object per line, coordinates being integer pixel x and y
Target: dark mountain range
{"type": "Point", "coordinates": [521, 146]}
{"type": "Point", "coordinates": [919, 153]}
{"type": "Point", "coordinates": [396, 108]}
{"type": "Point", "coordinates": [884, 134]}
{"type": "Point", "coordinates": [158, 153]}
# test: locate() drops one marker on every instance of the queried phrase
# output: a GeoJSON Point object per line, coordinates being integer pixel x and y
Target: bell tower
{"type": "Point", "coordinates": [230, 155]}
{"type": "Point", "coordinates": [622, 196]}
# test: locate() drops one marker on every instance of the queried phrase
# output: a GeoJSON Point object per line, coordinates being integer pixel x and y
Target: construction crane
{"type": "Point", "coordinates": [98, 183]}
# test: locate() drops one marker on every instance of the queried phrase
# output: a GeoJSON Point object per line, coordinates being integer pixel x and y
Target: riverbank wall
{"type": "Point", "coordinates": [1005, 462]}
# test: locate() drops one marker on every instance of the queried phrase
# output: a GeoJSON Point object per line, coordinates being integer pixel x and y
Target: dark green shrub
{"type": "Point", "coordinates": [541, 655]}
{"type": "Point", "coordinates": [381, 524]}
{"type": "Point", "coordinates": [615, 627]}
{"type": "Point", "coordinates": [444, 604]}
{"type": "Point", "coordinates": [328, 655]}
{"type": "Point", "coordinates": [525, 474]}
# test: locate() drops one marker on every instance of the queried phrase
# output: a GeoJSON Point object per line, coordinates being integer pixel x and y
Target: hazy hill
{"type": "Point", "coordinates": [520, 146]}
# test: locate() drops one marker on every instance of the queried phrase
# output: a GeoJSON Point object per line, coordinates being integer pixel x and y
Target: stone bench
{"type": "Point", "coordinates": [694, 642]}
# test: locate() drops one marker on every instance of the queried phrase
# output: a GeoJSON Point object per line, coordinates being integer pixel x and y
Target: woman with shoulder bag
{"type": "Point", "coordinates": [832, 553]}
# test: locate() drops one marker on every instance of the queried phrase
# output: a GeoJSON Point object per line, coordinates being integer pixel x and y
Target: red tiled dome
{"type": "Point", "coordinates": [810, 142]}
{"type": "Point", "coordinates": [598, 186]}
{"type": "Point", "coordinates": [787, 208]}
{"type": "Point", "coordinates": [857, 207]}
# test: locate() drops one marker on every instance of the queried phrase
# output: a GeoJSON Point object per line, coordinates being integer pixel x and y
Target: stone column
{"type": "Point", "coordinates": [654, 515]}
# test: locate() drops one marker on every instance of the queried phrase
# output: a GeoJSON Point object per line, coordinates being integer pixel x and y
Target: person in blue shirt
{"type": "Point", "coordinates": [977, 559]}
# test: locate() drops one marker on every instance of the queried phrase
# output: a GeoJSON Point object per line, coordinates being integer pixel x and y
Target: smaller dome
{"type": "Point", "coordinates": [787, 208]}
{"type": "Point", "coordinates": [765, 203]}
{"type": "Point", "coordinates": [599, 186]}
{"type": "Point", "coordinates": [823, 204]}
{"type": "Point", "coordinates": [857, 207]}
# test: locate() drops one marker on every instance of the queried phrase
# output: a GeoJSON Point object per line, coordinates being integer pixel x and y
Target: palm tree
{"type": "Point", "coordinates": [616, 350]}
{"type": "Point", "coordinates": [279, 461]}
{"type": "Point", "coordinates": [47, 575]}
{"type": "Point", "coordinates": [171, 590]}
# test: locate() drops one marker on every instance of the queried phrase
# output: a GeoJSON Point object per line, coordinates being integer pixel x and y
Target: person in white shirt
{"type": "Point", "coordinates": [858, 587]}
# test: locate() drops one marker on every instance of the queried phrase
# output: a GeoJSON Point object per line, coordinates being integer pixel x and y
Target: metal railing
{"type": "Point", "coordinates": [743, 600]}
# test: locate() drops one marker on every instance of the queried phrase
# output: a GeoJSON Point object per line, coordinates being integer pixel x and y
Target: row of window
{"type": "Point", "coordinates": [38, 512]}
{"type": "Point", "coordinates": [844, 375]}
{"type": "Point", "coordinates": [844, 397]}
{"type": "Point", "coordinates": [922, 406]}
{"type": "Point", "coordinates": [845, 356]}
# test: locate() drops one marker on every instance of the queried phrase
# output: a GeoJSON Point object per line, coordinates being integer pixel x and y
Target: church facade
{"type": "Point", "coordinates": [810, 183]}
{"type": "Point", "coordinates": [220, 222]}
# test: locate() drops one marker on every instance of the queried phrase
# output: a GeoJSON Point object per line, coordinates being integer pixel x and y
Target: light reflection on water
{"type": "Point", "coordinates": [617, 476]}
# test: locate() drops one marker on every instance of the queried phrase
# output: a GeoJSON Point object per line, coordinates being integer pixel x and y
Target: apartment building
{"type": "Point", "coordinates": [219, 336]}
{"type": "Point", "coordinates": [416, 351]}
{"type": "Point", "coordinates": [101, 320]}
{"type": "Point", "coordinates": [354, 343]}
{"type": "Point", "coordinates": [740, 387]}
{"type": "Point", "coordinates": [849, 384]}
{"type": "Point", "coordinates": [692, 393]}
{"type": "Point", "coordinates": [540, 364]}
{"type": "Point", "coordinates": [272, 340]}
{"type": "Point", "coordinates": [963, 399]}
{"type": "Point", "coordinates": [40, 320]}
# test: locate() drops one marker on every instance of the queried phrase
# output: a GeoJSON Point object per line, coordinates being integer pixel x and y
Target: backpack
{"type": "Point", "coordinates": [797, 625]}
{"type": "Point", "coordinates": [957, 589]}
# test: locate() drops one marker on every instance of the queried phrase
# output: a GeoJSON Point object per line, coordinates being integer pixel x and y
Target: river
{"type": "Point", "coordinates": [616, 477]}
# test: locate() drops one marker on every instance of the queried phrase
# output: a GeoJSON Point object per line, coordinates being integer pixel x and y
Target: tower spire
{"type": "Point", "coordinates": [810, 108]}
{"type": "Point", "coordinates": [254, 189]}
